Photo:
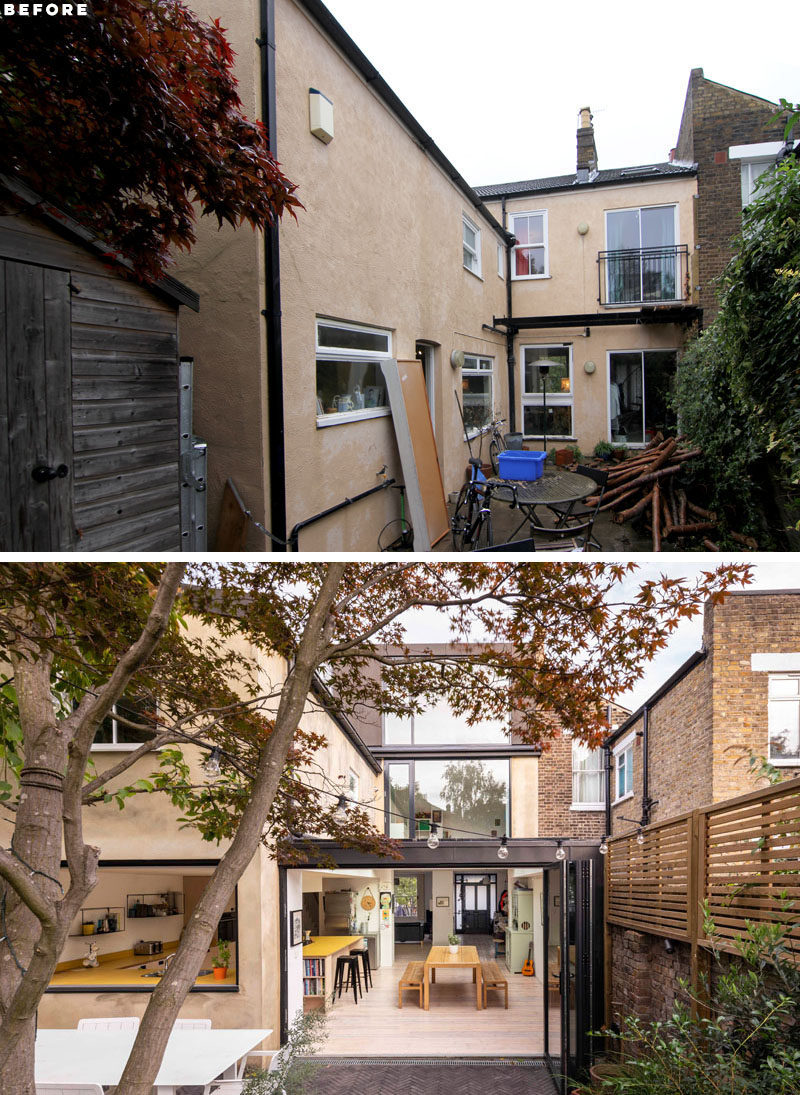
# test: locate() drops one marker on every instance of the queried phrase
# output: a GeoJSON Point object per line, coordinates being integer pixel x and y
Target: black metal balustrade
{"type": "Point", "coordinates": [646, 275]}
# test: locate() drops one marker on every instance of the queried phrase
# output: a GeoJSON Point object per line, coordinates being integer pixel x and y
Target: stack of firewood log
{"type": "Point", "coordinates": [645, 485]}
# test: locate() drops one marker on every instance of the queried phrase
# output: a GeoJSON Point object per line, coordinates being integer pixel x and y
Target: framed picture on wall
{"type": "Point", "coordinates": [442, 902]}
{"type": "Point", "coordinates": [296, 927]}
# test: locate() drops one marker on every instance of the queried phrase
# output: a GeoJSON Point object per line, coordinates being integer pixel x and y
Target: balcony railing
{"type": "Point", "coordinates": [647, 275]}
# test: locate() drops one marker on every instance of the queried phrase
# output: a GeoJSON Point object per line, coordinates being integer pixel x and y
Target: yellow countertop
{"type": "Point", "coordinates": [323, 946]}
{"type": "Point", "coordinates": [123, 969]}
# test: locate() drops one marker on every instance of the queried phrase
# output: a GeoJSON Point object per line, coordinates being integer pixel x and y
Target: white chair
{"type": "Point", "coordinates": [123, 1022]}
{"type": "Point", "coordinates": [192, 1024]}
{"type": "Point", "coordinates": [265, 1054]}
{"type": "Point", "coordinates": [225, 1087]}
{"type": "Point", "coordinates": [69, 1089]}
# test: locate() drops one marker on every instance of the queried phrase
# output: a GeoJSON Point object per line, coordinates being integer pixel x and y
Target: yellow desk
{"type": "Point", "coordinates": [326, 946]}
{"type": "Point", "coordinates": [327, 949]}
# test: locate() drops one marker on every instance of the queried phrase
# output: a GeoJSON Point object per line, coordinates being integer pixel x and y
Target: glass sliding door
{"type": "Point", "coordinates": [640, 390]}
{"type": "Point", "coordinates": [642, 257]}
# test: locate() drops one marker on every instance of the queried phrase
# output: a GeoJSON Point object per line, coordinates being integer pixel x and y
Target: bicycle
{"type": "Point", "coordinates": [497, 444]}
{"type": "Point", "coordinates": [471, 523]}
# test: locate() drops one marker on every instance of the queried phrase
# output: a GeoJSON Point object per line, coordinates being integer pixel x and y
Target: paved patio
{"type": "Point", "coordinates": [442, 1077]}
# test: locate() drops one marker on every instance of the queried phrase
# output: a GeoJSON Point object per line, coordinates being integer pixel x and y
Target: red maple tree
{"type": "Point", "coordinates": [128, 116]}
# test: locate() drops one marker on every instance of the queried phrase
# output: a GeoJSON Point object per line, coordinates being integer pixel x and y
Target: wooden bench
{"type": "Point", "coordinates": [411, 979]}
{"type": "Point", "coordinates": [493, 979]}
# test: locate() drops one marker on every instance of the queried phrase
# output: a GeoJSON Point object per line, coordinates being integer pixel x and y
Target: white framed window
{"type": "Point", "coordinates": [477, 392]}
{"type": "Point", "coordinates": [547, 391]}
{"type": "Point", "coordinates": [784, 719]}
{"type": "Point", "coordinates": [501, 261]}
{"type": "Point", "coordinates": [752, 170]}
{"type": "Point", "coordinates": [623, 769]}
{"type": "Point", "coordinates": [642, 262]}
{"type": "Point", "coordinates": [588, 777]}
{"type": "Point", "coordinates": [352, 785]}
{"type": "Point", "coordinates": [530, 258]}
{"type": "Point", "coordinates": [755, 160]}
{"type": "Point", "coordinates": [350, 381]}
{"type": "Point", "coordinates": [115, 733]}
{"type": "Point", "coordinates": [471, 237]}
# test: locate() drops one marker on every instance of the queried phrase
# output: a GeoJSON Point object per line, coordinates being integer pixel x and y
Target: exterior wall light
{"type": "Point", "coordinates": [560, 853]}
{"type": "Point", "coordinates": [502, 851]}
{"type": "Point", "coordinates": [433, 839]}
{"type": "Point", "coordinates": [320, 115]}
{"type": "Point", "coordinates": [340, 813]}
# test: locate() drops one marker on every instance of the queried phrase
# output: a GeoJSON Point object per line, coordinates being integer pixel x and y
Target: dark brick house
{"type": "Point", "coordinates": [731, 138]}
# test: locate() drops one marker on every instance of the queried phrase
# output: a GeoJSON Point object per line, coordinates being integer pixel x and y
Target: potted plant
{"type": "Point", "coordinates": [603, 450]}
{"type": "Point", "coordinates": [222, 960]}
{"type": "Point", "coordinates": [454, 942]}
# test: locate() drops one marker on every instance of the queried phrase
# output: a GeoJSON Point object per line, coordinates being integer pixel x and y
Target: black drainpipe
{"type": "Point", "coordinates": [512, 365]}
{"type": "Point", "coordinates": [646, 803]}
{"type": "Point", "coordinates": [272, 279]}
{"type": "Point", "coordinates": [607, 751]}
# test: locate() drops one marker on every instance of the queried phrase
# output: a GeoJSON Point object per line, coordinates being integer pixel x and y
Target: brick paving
{"type": "Point", "coordinates": [343, 1077]}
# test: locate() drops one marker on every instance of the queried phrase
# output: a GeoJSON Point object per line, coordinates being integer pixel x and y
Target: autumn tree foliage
{"type": "Point", "coordinates": [78, 637]}
{"type": "Point", "coordinates": [126, 117]}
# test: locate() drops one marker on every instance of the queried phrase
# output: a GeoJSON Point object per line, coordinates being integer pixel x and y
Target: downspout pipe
{"type": "Point", "coordinates": [607, 765]}
{"type": "Point", "coordinates": [646, 803]}
{"type": "Point", "coordinates": [511, 363]}
{"type": "Point", "coordinates": [272, 285]}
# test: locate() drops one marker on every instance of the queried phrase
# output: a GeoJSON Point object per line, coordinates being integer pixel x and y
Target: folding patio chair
{"type": "Point", "coordinates": [568, 512]}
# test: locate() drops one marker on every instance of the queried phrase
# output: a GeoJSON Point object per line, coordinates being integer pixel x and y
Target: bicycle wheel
{"type": "Point", "coordinates": [397, 535]}
{"type": "Point", "coordinates": [463, 517]}
{"type": "Point", "coordinates": [494, 452]}
{"type": "Point", "coordinates": [482, 534]}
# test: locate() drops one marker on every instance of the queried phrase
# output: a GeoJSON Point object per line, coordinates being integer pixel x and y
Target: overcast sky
{"type": "Point", "coordinates": [498, 86]}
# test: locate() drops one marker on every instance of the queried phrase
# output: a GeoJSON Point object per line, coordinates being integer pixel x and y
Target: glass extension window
{"type": "Point", "coordinates": [466, 798]}
{"type": "Point", "coordinates": [439, 726]}
{"type": "Point", "coordinates": [588, 782]}
{"type": "Point", "coordinates": [471, 237]}
{"type": "Point", "coordinates": [530, 252]}
{"type": "Point", "coordinates": [547, 391]}
{"type": "Point", "coordinates": [477, 392]}
{"type": "Point", "coordinates": [350, 382]}
{"type": "Point", "coordinates": [784, 719]}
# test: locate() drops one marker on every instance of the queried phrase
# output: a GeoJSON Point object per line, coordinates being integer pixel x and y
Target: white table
{"type": "Point", "coordinates": [98, 1056]}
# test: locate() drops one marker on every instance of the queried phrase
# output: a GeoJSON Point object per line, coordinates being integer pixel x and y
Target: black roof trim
{"type": "Point", "coordinates": [667, 686]}
{"type": "Point", "coordinates": [610, 177]}
{"type": "Point", "coordinates": [66, 225]}
{"type": "Point", "coordinates": [678, 313]}
{"type": "Point", "coordinates": [320, 14]}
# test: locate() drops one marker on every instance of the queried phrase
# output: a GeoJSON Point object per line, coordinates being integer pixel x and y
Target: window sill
{"type": "Point", "coordinates": [786, 762]}
{"type": "Point", "coordinates": [475, 274]}
{"type": "Point", "coordinates": [116, 747]}
{"type": "Point", "coordinates": [550, 437]}
{"type": "Point", "coordinates": [531, 277]}
{"type": "Point", "coordinates": [595, 807]}
{"type": "Point", "coordinates": [624, 798]}
{"type": "Point", "coordinates": [324, 420]}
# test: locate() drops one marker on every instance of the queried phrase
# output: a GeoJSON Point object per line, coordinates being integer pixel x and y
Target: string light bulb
{"type": "Point", "coordinates": [502, 851]}
{"type": "Point", "coordinates": [603, 849]}
{"type": "Point", "coordinates": [433, 839]}
{"type": "Point", "coordinates": [340, 813]}
{"type": "Point", "coordinates": [211, 765]}
{"type": "Point", "coordinates": [640, 837]}
{"type": "Point", "coordinates": [560, 853]}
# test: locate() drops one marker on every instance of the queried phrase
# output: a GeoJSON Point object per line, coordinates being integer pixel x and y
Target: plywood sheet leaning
{"type": "Point", "coordinates": [418, 456]}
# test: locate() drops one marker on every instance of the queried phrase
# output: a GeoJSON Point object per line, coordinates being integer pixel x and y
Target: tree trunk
{"type": "Point", "coordinates": [155, 1028]}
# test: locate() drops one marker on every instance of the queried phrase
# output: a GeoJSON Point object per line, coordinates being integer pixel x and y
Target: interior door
{"type": "Point", "coordinates": [35, 409]}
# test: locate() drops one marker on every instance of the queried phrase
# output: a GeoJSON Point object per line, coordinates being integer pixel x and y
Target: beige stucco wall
{"type": "Point", "coordinates": [524, 796]}
{"type": "Point", "coordinates": [572, 288]}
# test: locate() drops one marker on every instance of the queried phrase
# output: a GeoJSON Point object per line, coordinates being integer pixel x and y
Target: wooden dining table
{"type": "Point", "coordinates": [443, 958]}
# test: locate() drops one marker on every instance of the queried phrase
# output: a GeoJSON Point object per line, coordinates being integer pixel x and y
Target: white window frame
{"type": "Point", "coordinates": [675, 235]}
{"type": "Point", "coordinates": [577, 804]}
{"type": "Point", "coordinates": [782, 762]}
{"type": "Point", "coordinates": [475, 252]}
{"type": "Point", "coordinates": [353, 785]}
{"type": "Point", "coordinates": [554, 399]}
{"type": "Point", "coordinates": [476, 370]}
{"type": "Point", "coordinates": [623, 749]}
{"type": "Point", "coordinates": [336, 354]}
{"type": "Point", "coordinates": [763, 155]}
{"type": "Point", "coordinates": [524, 246]}
{"type": "Point", "coordinates": [115, 746]}
{"type": "Point", "coordinates": [501, 262]}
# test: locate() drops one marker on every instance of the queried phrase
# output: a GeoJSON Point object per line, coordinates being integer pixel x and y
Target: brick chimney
{"type": "Point", "coordinates": [587, 150]}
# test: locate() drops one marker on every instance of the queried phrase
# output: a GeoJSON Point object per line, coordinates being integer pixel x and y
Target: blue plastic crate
{"type": "Point", "coordinates": [521, 465]}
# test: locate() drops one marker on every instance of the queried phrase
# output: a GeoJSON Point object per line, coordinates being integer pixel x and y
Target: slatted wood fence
{"type": "Point", "coordinates": [742, 857]}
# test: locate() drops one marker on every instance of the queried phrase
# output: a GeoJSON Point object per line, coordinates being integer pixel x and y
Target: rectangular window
{"type": "Point", "coordinates": [352, 785]}
{"type": "Point", "coordinates": [501, 261]}
{"type": "Point", "coordinates": [465, 798]}
{"type": "Point", "coordinates": [640, 395]}
{"type": "Point", "coordinates": [439, 726]}
{"type": "Point", "coordinates": [642, 261]}
{"type": "Point", "coordinates": [784, 719]}
{"type": "Point", "coordinates": [530, 259]}
{"type": "Point", "coordinates": [399, 801]}
{"type": "Point", "coordinates": [477, 392]}
{"type": "Point", "coordinates": [350, 383]}
{"type": "Point", "coordinates": [751, 176]}
{"type": "Point", "coordinates": [115, 732]}
{"type": "Point", "coordinates": [547, 391]}
{"type": "Point", "coordinates": [471, 236]}
{"type": "Point", "coordinates": [588, 782]}
{"type": "Point", "coordinates": [623, 760]}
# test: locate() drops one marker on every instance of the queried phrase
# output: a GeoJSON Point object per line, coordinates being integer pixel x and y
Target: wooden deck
{"type": "Point", "coordinates": [453, 1027]}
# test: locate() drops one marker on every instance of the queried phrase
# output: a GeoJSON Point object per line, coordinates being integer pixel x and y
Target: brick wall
{"type": "Point", "coordinates": [746, 623]}
{"type": "Point", "coordinates": [555, 797]}
{"type": "Point", "coordinates": [716, 117]}
{"type": "Point", "coordinates": [644, 978]}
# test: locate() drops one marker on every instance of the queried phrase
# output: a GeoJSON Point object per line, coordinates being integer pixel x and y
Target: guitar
{"type": "Point", "coordinates": [527, 969]}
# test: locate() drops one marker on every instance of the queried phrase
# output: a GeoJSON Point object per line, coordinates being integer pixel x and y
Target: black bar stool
{"type": "Point", "coordinates": [363, 954]}
{"type": "Point", "coordinates": [347, 962]}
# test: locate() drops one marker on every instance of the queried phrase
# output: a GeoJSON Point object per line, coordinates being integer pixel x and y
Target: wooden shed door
{"type": "Point", "coordinates": [35, 409]}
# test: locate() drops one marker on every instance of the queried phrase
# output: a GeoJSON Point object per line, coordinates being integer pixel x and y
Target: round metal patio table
{"type": "Point", "coordinates": [555, 485]}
